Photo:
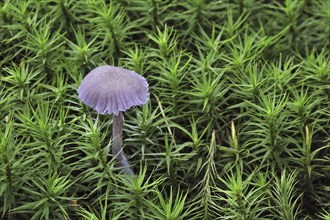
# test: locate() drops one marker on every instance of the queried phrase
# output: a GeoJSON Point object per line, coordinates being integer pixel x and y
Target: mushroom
{"type": "Point", "coordinates": [113, 90]}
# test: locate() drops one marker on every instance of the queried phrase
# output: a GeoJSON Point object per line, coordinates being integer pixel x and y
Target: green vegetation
{"type": "Point", "coordinates": [237, 125]}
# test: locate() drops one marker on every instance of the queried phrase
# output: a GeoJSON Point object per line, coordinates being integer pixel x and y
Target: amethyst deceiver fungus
{"type": "Point", "coordinates": [113, 90]}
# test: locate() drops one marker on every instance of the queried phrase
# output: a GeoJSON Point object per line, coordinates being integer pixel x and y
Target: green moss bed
{"type": "Point", "coordinates": [237, 125]}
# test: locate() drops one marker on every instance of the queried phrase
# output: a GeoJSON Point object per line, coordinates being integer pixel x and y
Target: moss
{"type": "Point", "coordinates": [237, 125]}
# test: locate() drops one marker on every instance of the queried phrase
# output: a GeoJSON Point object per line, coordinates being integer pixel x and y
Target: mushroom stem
{"type": "Point", "coordinates": [117, 147]}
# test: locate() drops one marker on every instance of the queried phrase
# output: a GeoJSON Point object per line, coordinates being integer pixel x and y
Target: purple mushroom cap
{"type": "Point", "coordinates": [110, 90]}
